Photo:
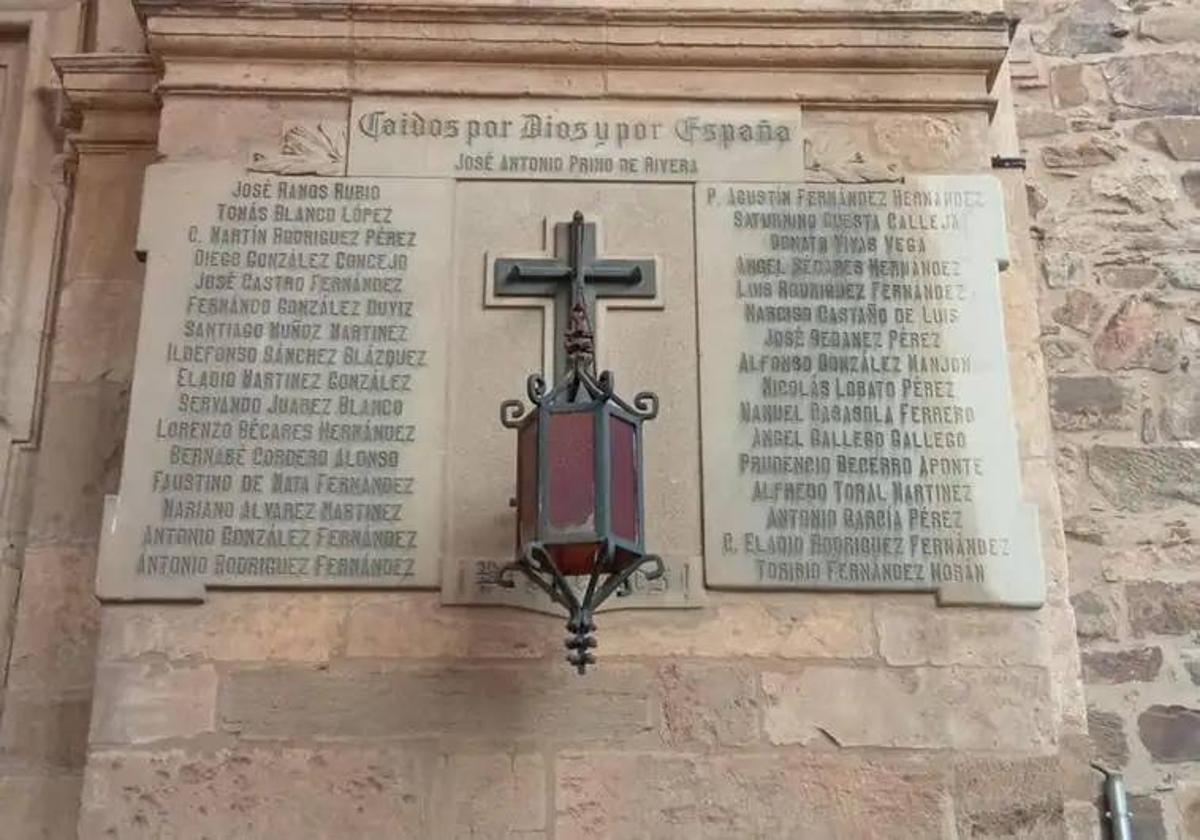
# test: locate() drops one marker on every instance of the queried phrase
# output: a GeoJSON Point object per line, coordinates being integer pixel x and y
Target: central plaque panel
{"type": "Point", "coordinates": [855, 403]}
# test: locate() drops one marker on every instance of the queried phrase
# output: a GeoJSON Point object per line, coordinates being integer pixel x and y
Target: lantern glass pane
{"type": "Point", "coordinates": [571, 471]}
{"type": "Point", "coordinates": [575, 558]}
{"type": "Point", "coordinates": [527, 479]}
{"type": "Point", "coordinates": [623, 442]}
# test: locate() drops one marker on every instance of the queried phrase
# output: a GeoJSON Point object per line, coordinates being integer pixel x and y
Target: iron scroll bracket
{"type": "Point", "coordinates": [536, 565]}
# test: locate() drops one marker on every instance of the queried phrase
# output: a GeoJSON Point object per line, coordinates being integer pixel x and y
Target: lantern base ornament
{"type": "Point", "coordinates": [605, 580]}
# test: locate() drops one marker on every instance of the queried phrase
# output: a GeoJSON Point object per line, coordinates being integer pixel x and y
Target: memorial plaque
{"type": "Point", "coordinates": [286, 426]}
{"type": "Point", "coordinates": [573, 141]}
{"type": "Point", "coordinates": [855, 404]}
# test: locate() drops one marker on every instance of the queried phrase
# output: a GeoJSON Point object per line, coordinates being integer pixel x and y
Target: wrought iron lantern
{"type": "Point", "coordinates": [579, 479]}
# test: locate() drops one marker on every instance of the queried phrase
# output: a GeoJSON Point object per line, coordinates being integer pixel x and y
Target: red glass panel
{"type": "Point", "coordinates": [571, 467]}
{"type": "Point", "coordinates": [527, 479]}
{"type": "Point", "coordinates": [574, 559]}
{"type": "Point", "coordinates": [623, 442]}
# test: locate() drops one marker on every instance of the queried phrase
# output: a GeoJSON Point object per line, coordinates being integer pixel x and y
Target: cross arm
{"type": "Point", "coordinates": [622, 278]}
{"type": "Point", "coordinates": [532, 277]}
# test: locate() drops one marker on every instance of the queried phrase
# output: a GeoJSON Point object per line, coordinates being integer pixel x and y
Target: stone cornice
{"type": "Point", "coordinates": [112, 99]}
{"type": "Point", "coordinates": [108, 80]}
{"type": "Point", "coordinates": [340, 47]}
{"type": "Point", "coordinates": [792, 13]}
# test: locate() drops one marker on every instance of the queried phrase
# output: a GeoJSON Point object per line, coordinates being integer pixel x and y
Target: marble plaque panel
{"type": "Point", "coordinates": [647, 343]}
{"type": "Point", "coordinates": [573, 140]}
{"type": "Point", "coordinates": [287, 418]}
{"type": "Point", "coordinates": [858, 430]}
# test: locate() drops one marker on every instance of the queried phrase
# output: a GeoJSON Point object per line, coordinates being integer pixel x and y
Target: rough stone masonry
{"type": "Point", "coordinates": [1108, 109]}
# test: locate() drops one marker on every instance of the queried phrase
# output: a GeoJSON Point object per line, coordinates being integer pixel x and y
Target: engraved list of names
{"type": "Point", "coordinates": [286, 416]}
{"type": "Point", "coordinates": [857, 421]}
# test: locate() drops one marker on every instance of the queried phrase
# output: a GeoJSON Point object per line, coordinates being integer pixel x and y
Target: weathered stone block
{"type": "Point", "coordinates": [709, 705]}
{"type": "Point", "coordinates": [1068, 88]}
{"type": "Point", "coordinates": [1081, 310]}
{"type": "Point", "coordinates": [118, 30]}
{"type": "Point", "coordinates": [1161, 83]}
{"type": "Point", "coordinates": [1179, 418]}
{"type": "Point", "coordinates": [1095, 614]}
{"type": "Point", "coordinates": [1082, 821]}
{"type": "Point", "coordinates": [1062, 270]}
{"type": "Point", "coordinates": [1122, 666]}
{"type": "Point", "coordinates": [1170, 733]}
{"type": "Point", "coordinates": [500, 795]}
{"type": "Point", "coordinates": [1085, 528]}
{"type": "Point", "coordinates": [1036, 198]}
{"type": "Point", "coordinates": [96, 330]}
{"type": "Point", "coordinates": [1129, 276]}
{"type": "Point", "coordinates": [229, 626]}
{"type": "Point", "coordinates": [1028, 804]}
{"type": "Point", "coordinates": [621, 796]}
{"type": "Point", "coordinates": [1146, 818]}
{"type": "Point", "coordinates": [1060, 354]}
{"type": "Point", "coordinates": [921, 142]}
{"type": "Point", "coordinates": [78, 461]}
{"type": "Point", "coordinates": [1142, 189]}
{"type": "Point", "coordinates": [257, 794]}
{"type": "Point", "coordinates": [1152, 561]}
{"type": "Point", "coordinates": [43, 731]}
{"type": "Point", "coordinates": [54, 645]}
{"type": "Point", "coordinates": [1088, 402]}
{"type": "Point", "coordinates": [1191, 664]}
{"type": "Point", "coordinates": [1077, 776]}
{"type": "Point", "coordinates": [1038, 122]}
{"type": "Point", "coordinates": [1182, 273]}
{"type": "Point", "coordinates": [1188, 799]}
{"type": "Point", "coordinates": [916, 708]}
{"type": "Point", "coordinates": [925, 635]}
{"type": "Point", "coordinates": [1135, 337]}
{"type": "Point", "coordinates": [1160, 608]}
{"type": "Point", "coordinates": [141, 702]}
{"type": "Point", "coordinates": [793, 626]}
{"type": "Point", "coordinates": [1180, 136]}
{"type": "Point", "coordinates": [104, 218]}
{"type": "Point", "coordinates": [1076, 154]}
{"type": "Point", "coordinates": [1107, 731]}
{"type": "Point", "coordinates": [1145, 478]}
{"type": "Point", "coordinates": [39, 807]}
{"type": "Point", "coordinates": [1191, 186]}
{"type": "Point", "coordinates": [1070, 464]}
{"type": "Point", "coordinates": [416, 625]}
{"type": "Point", "coordinates": [242, 128]}
{"type": "Point", "coordinates": [1170, 25]}
{"type": "Point", "coordinates": [1087, 27]}
{"type": "Point", "coordinates": [368, 701]}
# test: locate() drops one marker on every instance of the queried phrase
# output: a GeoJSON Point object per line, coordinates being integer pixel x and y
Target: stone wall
{"type": "Point", "coordinates": [353, 714]}
{"type": "Point", "coordinates": [331, 715]}
{"type": "Point", "coordinates": [81, 317]}
{"type": "Point", "coordinates": [1109, 116]}
{"type": "Point", "coordinates": [48, 697]}
{"type": "Point", "coordinates": [45, 603]}
{"type": "Point", "coordinates": [270, 714]}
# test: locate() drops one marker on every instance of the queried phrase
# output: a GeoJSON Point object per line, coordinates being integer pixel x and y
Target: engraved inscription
{"type": "Point", "coordinates": [855, 394]}
{"type": "Point", "coordinates": [572, 140]}
{"type": "Point", "coordinates": [290, 429]}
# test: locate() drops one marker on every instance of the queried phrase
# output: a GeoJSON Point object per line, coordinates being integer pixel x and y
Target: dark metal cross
{"type": "Point", "coordinates": [580, 277]}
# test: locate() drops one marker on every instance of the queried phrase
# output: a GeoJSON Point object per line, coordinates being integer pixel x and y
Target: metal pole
{"type": "Point", "coordinates": [1117, 805]}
